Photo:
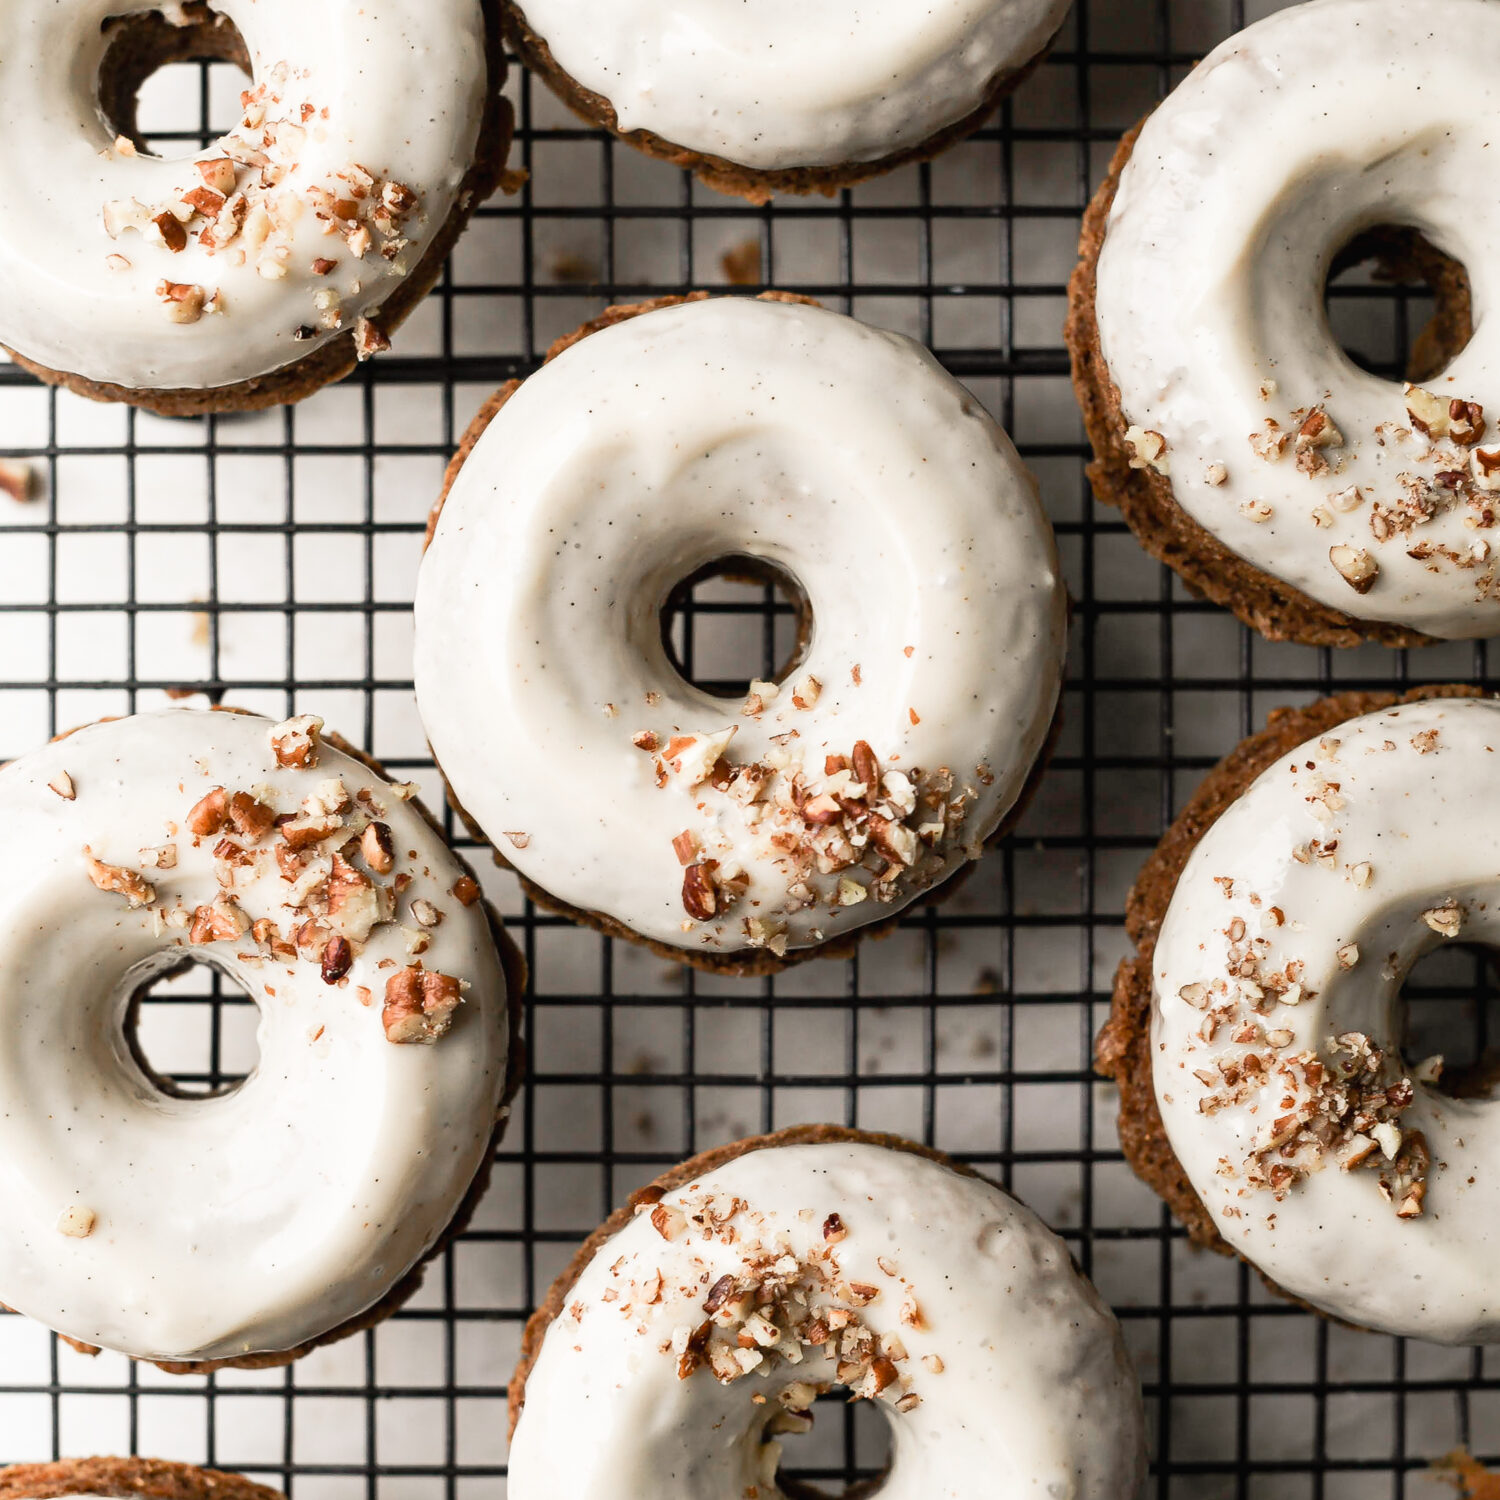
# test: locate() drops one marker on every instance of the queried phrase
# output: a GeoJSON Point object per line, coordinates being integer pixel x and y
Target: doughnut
{"type": "Point", "coordinates": [1320, 502]}
{"type": "Point", "coordinates": [702, 1321]}
{"type": "Point", "coordinates": [738, 833]}
{"type": "Point", "coordinates": [268, 263]}
{"type": "Point", "coordinates": [126, 1479]}
{"type": "Point", "coordinates": [750, 97]}
{"type": "Point", "coordinates": [1266, 1091]}
{"type": "Point", "coordinates": [248, 1226]}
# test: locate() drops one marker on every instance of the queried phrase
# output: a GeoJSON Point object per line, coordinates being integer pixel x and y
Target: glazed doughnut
{"type": "Point", "coordinates": [738, 832]}
{"type": "Point", "coordinates": [751, 98]}
{"type": "Point", "coordinates": [247, 1226]}
{"type": "Point", "coordinates": [1276, 927]}
{"type": "Point", "coordinates": [1320, 502]}
{"type": "Point", "coordinates": [262, 267]}
{"type": "Point", "coordinates": [126, 1479]}
{"type": "Point", "coordinates": [704, 1319]}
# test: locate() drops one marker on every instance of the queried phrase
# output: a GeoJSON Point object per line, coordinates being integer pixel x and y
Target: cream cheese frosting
{"type": "Point", "coordinates": [705, 1329]}
{"type": "Point", "coordinates": [779, 84]}
{"type": "Point", "coordinates": [358, 130]}
{"type": "Point", "coordinates": [840, 453]}
{"type": "Point", "coordinates": [1328, 1159]}
{"type": "Point", "coordinates": [188, 1228]}
{"type": "Point", "coordinates": [1289, 141]}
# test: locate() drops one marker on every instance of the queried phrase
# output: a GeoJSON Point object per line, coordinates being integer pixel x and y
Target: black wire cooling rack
{"type": "Point", "coordinates": [269, 562]}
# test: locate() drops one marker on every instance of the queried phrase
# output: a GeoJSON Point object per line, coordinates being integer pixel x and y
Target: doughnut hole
{"type": "Point", "coordinates": [162, 86]}
{"type": "Point", "coordinates": [735, 620]}
{"type": "Point", "coordinates": [192, 1031]}
{"type": "Point", "coordinates": [1397, 305]}
{"type": "Point", "coordinates": [844, 1457]}
{"type": "Point", "coordinates": [1450, 1008]}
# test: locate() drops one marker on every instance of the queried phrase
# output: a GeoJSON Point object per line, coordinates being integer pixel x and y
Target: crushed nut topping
{"type": "Point", "coordinates": [332, 865]}
{"type": "Point", "coordinates": [62, 784]}
{"type": "Point", "coordinates": [244, 202]}
{"type": "Point", "coordinates": [1357, 568]}
{"type": "Point", "coordinates": [1148, 450]}
{"type": "Point", "coordinates": [854, 832]}
{"type": "Point", "coordinates": [119, 881]}
{"type": "Point", "coordinates": [776, 1308]}
{"type": "Point", "coordinates": [76, 1221]}
{"type": "Point", "coordinates": [419, 1005]}
{"type": "Point", "coordinates": [18, 480]}
{"type": "Point", "coordinates": [296, 742]}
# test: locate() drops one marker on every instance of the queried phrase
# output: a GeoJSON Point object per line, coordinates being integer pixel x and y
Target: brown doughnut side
{"type": "Point", "coordinates": [126, 1478]}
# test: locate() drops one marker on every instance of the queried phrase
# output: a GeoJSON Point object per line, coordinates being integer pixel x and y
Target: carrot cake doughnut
{"type": "Point", "coordinates": [738, 833]}
{"type": "Point", "coordinates": [1256, 1035]}
{"type": "Point", "coordinates": [704, 1319]}
{"type": "Point", "coordinates": [1321, 503]}
{"type": "Point", "coordinates": [126, 1479]}
{"type": "Point", "coordinates": [785, 97]}
{"type": "Point", "coordinates": [266, 264]}
{"type": "Point", "coordinates": [248, 1226]}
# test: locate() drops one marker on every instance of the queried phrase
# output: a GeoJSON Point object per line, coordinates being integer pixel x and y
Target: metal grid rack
{"type": "Point", "coordinates": [269, 561]}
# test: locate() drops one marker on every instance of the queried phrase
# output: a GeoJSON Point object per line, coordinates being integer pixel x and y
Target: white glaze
{"type": "Point", "coordinates": [403, 83]}
{"type": "Point", "coordinates": [1293, 137]}
{"type": "Point", "coordinates": [1419, 816]}
{"type": "Point", "coordinates": [781, 84]}
{"type": "Point", "coordinates": [255, 1220]}
{"type": "Point", "coordinates": [845, 455]}
{"type": "Point", "coordinates": [1034, 1396]}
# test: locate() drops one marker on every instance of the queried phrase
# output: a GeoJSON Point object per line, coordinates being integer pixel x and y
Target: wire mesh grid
{"type": "Point", "coordinates": [268, 561]}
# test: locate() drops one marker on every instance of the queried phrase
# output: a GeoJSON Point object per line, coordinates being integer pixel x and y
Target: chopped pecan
{"type": "Point", "coordinates": [699, 898]}
{"type": "Point", "coordinates": [1358, 569]}
{"type": "Point", "coordinates": [251, 819]}
{"type": "Point", "coordinates": [296, 742]}
{"type": "Point", "coordinates": [120, 881]}
{"type": "Point", "coordinates": [466, 890]}
{"type": "Point", "coordinates": [337, 958]}
{"type": "Point", "coordinates": [378, 848]}
{"type": "Point", "coordinates": [419, 1005]}
{"type": "Point", "coordinates": [866, 766]}
{"type": "Point", "coordinates": [224, 920]}
{"type": "Point", "coordinates": [355, 903]}
{"type": "Point", "coordinates": [307, 829]}
{"type": "Point", "coordinates": [208, 813]}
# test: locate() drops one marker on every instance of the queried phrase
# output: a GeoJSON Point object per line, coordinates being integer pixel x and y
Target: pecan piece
{"type": "Point", "coordinates": [297, 742]}
{"type": "Point", "coordinates": [251, 819]}
{"type": "Point", "coordinates": [1358, 569]}
{"type": "Point", "coordinates": [218, 923]}
{"type": "Point", "coordinates": [120, 881]}
{"type": "Point", "coordinates": [337, 958]}
{"type": "Point", "coordinates": [208, 813]}
{"type": "Point", "coordinates": [419, 1005]}
{"type": "Point", "coordinates": [378, 848]}
{"type": "Point", "coordinates": [699, 898]}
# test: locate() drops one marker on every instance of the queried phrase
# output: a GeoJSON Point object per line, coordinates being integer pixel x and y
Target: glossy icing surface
{"type": "Point", "coordinates": [1007, 1375]}
{"type": "Point", "coordinates": [722, 428]}
{"type": "Point", "coordinates": [342, 111]}
{"type": "Point", "coordinates": [1328, 1158]}
{"type": "Point", "coordinates": [1289, 141]}
{"type": "Point", "coordinates": [780, 84]}
{"type": "Point", "coordinates": [252, 1221]}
